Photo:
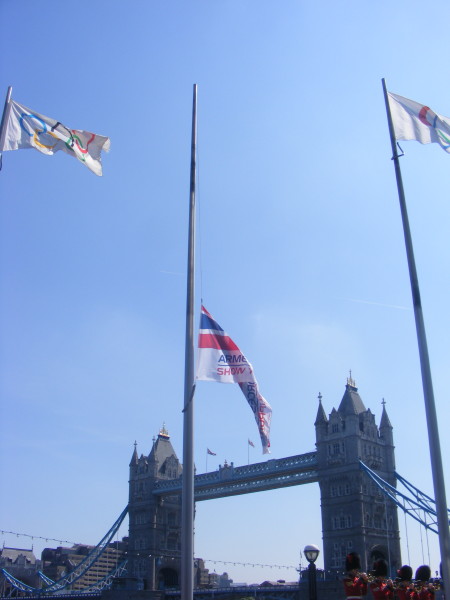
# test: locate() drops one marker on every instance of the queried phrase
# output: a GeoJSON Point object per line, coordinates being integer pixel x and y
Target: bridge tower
{"type": "Point", "coordinates": [154, 522]}
{"type": "Point", "coordinates": [356, 516]}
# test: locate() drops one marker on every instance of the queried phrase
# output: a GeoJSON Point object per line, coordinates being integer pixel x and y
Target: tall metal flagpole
{"type": "Point", "coordinates": [4, 117]}
{"type": "Point", "coordinates": [430, 409]}
{"type": "Point", "coordinates": [187, 497]}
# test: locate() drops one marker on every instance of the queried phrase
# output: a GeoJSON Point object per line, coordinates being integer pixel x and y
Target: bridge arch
{"type": "Point", "coordinates": [379, 551]}
{"type": "Point", "coordinates": [167, 578]}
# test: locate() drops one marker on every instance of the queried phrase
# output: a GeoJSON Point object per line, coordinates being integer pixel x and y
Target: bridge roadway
{"type": "Point", "coordinates": [281, 592]}
{"type": "Point", "coordinates": [229, 480]}
{"type": "Point", "coordinates": [259, 592]}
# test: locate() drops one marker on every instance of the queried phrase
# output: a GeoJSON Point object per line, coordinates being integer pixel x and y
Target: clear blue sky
{"type": "Point", "coordinates": [301, 252]}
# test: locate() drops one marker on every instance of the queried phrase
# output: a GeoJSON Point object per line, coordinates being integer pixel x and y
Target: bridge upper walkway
{"type": "Point", "coordinates": [229, 480]}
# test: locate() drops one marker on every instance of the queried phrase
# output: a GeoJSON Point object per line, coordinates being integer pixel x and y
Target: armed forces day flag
{"type": "Point", "coordinates": [25, 128]}
{"type": "Point", "coordinates": [414, 121]}
{"type": "Point", "coordinates": [221, 360]}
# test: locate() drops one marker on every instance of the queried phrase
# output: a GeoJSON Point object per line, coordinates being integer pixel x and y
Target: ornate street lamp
{"type": "Point", "coordinates": [311, 553]}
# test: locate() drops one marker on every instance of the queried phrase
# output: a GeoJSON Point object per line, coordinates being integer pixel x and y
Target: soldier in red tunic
{"type": "Point", "coordinates": [380, 586]}
{"type": "Point", "coordinates": [424, 589]}
{"type": "Point", "coordinates": [403, 585]}
{"type": "Point", "coordinates": [355, 582]}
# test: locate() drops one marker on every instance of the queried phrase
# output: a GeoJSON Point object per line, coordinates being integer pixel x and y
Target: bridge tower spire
{"type": "Point", "coordinates": [355, 515]}
{"type": "Point", "coordinates": [154, 524]}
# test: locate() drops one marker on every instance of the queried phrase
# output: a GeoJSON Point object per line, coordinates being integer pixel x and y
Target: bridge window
{"type": "Point", "coordinates": [336, 448]}
{"type": "Point", "coordinates": [333, 491]}
{"type": "Point", "coordinates": [139, 567]}
{"type": "Point", "coordinates": [347, 489]}
{"type": "Point", "coordinates": [335, 562]}
{"type": "Point", "coordinates": [140, 543]}
{"type": "Point", "coordinates": [140, 488]}
{"type": "Point", "coordinates": [338, 556]}
{"type": "Point", "coordinates": [140, 518]}
{"type": "Point", "coordinates": [335, 428]}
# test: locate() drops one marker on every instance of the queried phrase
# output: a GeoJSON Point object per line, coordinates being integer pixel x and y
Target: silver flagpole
{"type": "Point", "coordinates": [427, 384]}
{"type": "Point", "coordinates": [187, 496]}
{"type": "Point", "coordinates": [4, 117]}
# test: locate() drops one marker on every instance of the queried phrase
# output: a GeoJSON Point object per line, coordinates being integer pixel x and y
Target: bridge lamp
{"type": "Point", "coordinates": [311, 553]}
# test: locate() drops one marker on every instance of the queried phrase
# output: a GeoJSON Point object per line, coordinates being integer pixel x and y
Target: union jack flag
{"type": "Point", "coordinates": [221, 360]}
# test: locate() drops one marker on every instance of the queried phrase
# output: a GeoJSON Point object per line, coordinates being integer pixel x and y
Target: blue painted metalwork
{"type": "Point", "coordinates": [411, 506]}
{"type": "Point", "coordinates": [105, 583]}
{"type": "Point", "coordinates": [17, 584]}
{"type": "Point", "coordinates": [44, 578]}
{"type": "Point", "coordinates": [80, 569]}
{"type": "Point", "coordinates": [90, 559]}
{"type": "Point", "coordinates": [229, 480]}
{"type": "Point", "coordinates": [420, 496]}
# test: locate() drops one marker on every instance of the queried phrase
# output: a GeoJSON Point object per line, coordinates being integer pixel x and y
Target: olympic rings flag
{"type": "Point", "coordinates": [25, 128]}
{"type": "Point", "coordinates": [414, 121]}
{"type": "Point", "coordinates": [221, 360]}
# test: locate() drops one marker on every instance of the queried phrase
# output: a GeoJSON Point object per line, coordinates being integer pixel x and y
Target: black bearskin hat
{"type": "Point", "coordinates": [352, 561]}
{"type": "Point", "coordinates": [423, 573]}
{"type": "Point", "coordinates": [380, 568]}
{"type": "Point", "coordinates": [405, 573]}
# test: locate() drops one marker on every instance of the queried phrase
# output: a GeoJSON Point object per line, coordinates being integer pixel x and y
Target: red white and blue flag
{"type": "Point", "coordinates": [221, 360]}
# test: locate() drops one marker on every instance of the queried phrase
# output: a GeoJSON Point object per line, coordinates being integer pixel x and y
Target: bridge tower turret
{"type": "Point", "coordinates": [356, 517]}
{"type": "Point", "coordinates": [154, 523]}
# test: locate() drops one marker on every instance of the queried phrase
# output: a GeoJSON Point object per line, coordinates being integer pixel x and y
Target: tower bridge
{"type": "Point", "coordinates": [355, 516]}
{"type": "Point", "coordinates": [353, 454]}
{"type": "Point", "coordinates": [229, 480]}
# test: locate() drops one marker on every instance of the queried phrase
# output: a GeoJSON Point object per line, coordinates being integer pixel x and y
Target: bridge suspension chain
{"type": "Point", "coordinates": [412, 506]}
{"type": "Point", "coordinates": [80, 569]}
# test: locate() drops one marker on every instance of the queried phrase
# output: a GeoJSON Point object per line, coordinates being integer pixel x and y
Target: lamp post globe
{"type": "Point", "coordinates": [311, 553]}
